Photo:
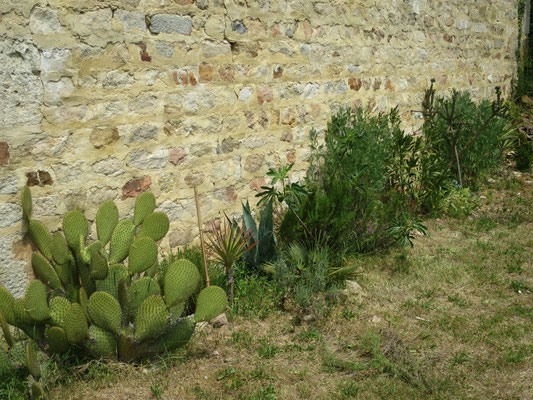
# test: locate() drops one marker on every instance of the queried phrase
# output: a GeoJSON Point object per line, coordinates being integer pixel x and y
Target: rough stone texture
{"type": "Point", "coordinates": [164, 23]}
{"type": "Point", "coordinates": [136, 186]}
{"type": "Point", "coordinates": [21, 88]}
{"type": "Point", "coordinates": [44, 21]}
{"type": "Point", "coordinates": [8, 184]}
{"type": "Point", "coordinates": [132, 20]}
{"type": "Point", "coordinates": [13, 274]}
{"type": "Point", "coordinates": [104, 100]}
{"type": "Point", "coordinates": [101, 137]}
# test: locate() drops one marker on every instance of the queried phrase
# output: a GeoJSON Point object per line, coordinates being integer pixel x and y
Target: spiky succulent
{"type": "Point", "coordinates": [109, 296]}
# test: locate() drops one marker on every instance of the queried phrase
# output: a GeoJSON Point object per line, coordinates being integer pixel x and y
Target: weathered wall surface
{"type": "Point", "coordinates": [102, 99]}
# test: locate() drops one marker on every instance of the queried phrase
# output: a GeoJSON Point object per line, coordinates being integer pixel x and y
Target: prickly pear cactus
{"type": "Point", "coordinates": [108, 297]}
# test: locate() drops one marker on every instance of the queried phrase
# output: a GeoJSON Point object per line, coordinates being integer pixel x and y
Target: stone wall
{"type": "Point", "coordinates": [103, 99]}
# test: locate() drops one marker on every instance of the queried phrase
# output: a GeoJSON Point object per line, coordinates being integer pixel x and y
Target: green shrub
{"type": "Point", "coordinates": [362, 176]}
{"type": "Point", "coordinates": [459, 203]}
{"type": "Point", "coordinates": [461, 139]}
{"type": "Point", "coordinates": [256, 295]}
{"type": "Point", "coordinates": [303, 275]}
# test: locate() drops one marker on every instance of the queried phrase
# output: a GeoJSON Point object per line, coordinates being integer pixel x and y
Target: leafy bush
{"type": "Point", "coordinates": [461, 139]}
{"type": "Point", "coordinates": [517, 140]}
{"type": "Point", "coordinates": [302, 275]}
{"type": "Point", "coordinates": [363, 175]}
{"type": "Point", "coordinates": [459, 203]}
{"type": "Point", "coordinates": [256, 295]}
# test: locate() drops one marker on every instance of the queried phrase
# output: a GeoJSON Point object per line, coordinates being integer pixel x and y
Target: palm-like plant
{"type": "Point", "coordinates": [228, 244]}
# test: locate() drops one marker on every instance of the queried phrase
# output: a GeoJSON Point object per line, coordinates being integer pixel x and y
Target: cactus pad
{"type": "Point", "coordinates": [101, 343]}
{"type": "Point", "coordinates": [41, 238]}
{"type": "Point", "coordinates": [31, 360]}
{"type": "Point", "coordinates": [26, 203]}
{"type": "Point", "coordinates": [211, 302]}
{"type": "Point", "coordinates": [35, 301]}
{"type": "Point", "coordinates": [85, 277]}
{"type": "Point", "coordinates": [142, 255]}
{"type": "Point", "coordinates": [117, 272]}
{"type": "Point", "coordinates": [141, 290]}
{"type": "Point", "coordinates": [60, 251]}
{"type": "Point", "coordinates": [99, 267]}
{"type": "Point", "coordinates": [37, 391]}
{"type": "Point", "coordinates": [121, 241]}
{"type": "Point", "coordinates": [44, 271]}
{"type": "Point", "coordinates": [152, 318]}
{"type": "Point", "coordinates": [83, 299]}
{"type": "Point", "coordinates": [74, 226]}
{"type": "Point", "coordinates": [75, 324]}
{"type": "Point", "coordinates": [58, 310]}
{"type": "Point", "coordinates": [144, 206]}
{"type": "Point", "coordinates": [152, 270]}
{"type": "Point", "coordinates": [155, 226]}
{"type": "Point", "coordinates": [176, 312]}
{"type": "Point", "coordinates": [181, 281]}
{"type": "Point", "coordinates": [106, 220]}
{"type": "Point", "coordinates": [176, 336]}
{"type": "Point", "coordinates": [4, 327]}
{"type": "Point", "coordinates": [105, 311]}
{"type": "Point", "coordinates": [21, 316]}
{"type": "Point", "coordinates": [57, 339]}
{"type": "Point", "coordinates": [7, 303]}
{"type": "Point", "coordinates": [124, 300]}
{"type": "Point", "coordinates": [63, 273]}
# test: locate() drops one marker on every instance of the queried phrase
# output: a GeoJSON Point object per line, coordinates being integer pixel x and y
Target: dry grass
{"type": "Point", "coordinates": [452, 320]}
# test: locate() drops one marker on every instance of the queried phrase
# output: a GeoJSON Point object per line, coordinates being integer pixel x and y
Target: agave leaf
{"type": "Point", "coordinates": [267, 240]}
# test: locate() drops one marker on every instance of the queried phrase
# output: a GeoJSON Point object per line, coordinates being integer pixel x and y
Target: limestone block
{"type": "Point", "coordinates": [8, 184]}
{"type": "Point", "coordinates": [10, 214]}
{"type": "Point", "coordinates": [91, 22]}
{"type": "Point", "coordinates": [172, 209]}
{"type": "Point", "coordinates": [245, 93]}
{"type": "Point", "coordinates": [164, 49]}
{"type": "Point", "coordinates": [145, 160]}
{"type": "Point", "coordinates": [44, 21]}
{"type": "Point", "coordinates": [212, 49]}
{"type": "Point", "coordinates": [214, 27]}
{"type": "Point", "coordinates": [54, 63]}
{"type": "Point", "coordinates": [45, 205]}
{"type": "Point", "coordinates": [12, 265]}
{"type": "Point", "coordinates": [136, 186]}
{"type": "Point", "coordinates": [117, 79]}
{"type": "Point", "coordinates": [142, 133]}
{"type": "Point", "coordinates": [131, 20]}
{"type": "Point", "coordinates": [110, 167]}
{"type": "Point", "coordinates": [167, 23]}
{"type": "Point", "coordinates": [21, 89]}
{"type": "Point", "coordinates": [55, 92]}
{"type": "Point", "coordinates": [181, 237]}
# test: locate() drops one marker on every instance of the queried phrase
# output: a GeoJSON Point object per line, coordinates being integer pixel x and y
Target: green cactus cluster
{"type": "Point", "coordinates": [107, 297]}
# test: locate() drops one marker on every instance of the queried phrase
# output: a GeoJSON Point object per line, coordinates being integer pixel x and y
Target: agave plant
{"type": "Point", "coordinates": [228, 244]}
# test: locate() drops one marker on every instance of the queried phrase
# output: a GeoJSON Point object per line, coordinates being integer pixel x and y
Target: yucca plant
{"type": "Point", "coordinates": [229, 243]}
